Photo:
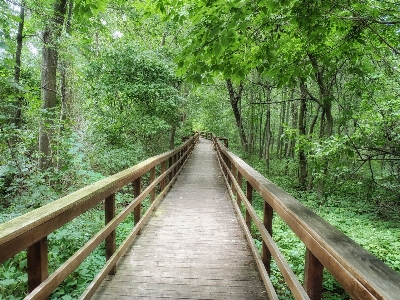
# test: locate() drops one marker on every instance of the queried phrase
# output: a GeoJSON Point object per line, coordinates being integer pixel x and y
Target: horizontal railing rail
{"type": "Point", "coordinates": [359, 272]}
{"type": "Point", "coordinates": [30, 230]}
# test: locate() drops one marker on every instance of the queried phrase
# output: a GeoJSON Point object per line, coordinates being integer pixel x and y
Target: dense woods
{"type": "Point", "coordinates": [306, 91]}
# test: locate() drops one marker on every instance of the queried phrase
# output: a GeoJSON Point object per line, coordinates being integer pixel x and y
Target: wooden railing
{"type": "Point", "coordinates": [30, 231]}
{"type": "Point", "coordinates": [359, 272]}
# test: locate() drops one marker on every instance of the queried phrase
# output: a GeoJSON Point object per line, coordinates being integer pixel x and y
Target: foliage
{"type": "Point", "coordinates": [119, 98]}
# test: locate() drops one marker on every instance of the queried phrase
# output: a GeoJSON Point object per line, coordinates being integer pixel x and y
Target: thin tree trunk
{"type": "Point", "coordinates": [262, 134]}
{"type": "Point", "coordinates": [49, 82]}
{"type": "Point", "coordinates": [302, 132]}
{"type": "Point", "coordinates": [280, 130]}
{"type": "Point", "coordinates": [235, 98]}
{"type": "Point", "coordinates": [313, 122]}
{"type": "Point", "coordinates": [64, 66]}
{"type": "Point", "coordinates": [268, 139]}
{"type": "Point", "coordinates": [172, 138]}
{"type": "Point", "coordinates": [292, 143]}
{"type": "Point", "coordinates": [287, 114]}
{"type": "Point", "coordinates": [17, 68]}
{"type": "Point", "coordinates": [326, 100]}
{"type": "Point", "coordinates": [164, 36]}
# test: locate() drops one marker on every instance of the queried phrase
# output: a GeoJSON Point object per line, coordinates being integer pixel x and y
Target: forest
{"type": "Point", "coordinates": [307, 92]}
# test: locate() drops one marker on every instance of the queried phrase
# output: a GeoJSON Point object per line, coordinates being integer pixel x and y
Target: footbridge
{"type": "Point", "coordinates": [194, 239]}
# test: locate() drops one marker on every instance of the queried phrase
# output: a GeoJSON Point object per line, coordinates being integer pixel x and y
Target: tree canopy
{"type": "Point", "coordinates": [306, 91]}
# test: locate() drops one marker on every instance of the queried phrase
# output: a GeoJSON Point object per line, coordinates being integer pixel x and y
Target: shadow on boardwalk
{"type": "Point", "coordinates": [193, 246]}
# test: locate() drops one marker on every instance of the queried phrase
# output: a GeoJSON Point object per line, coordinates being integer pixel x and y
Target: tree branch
{"type": "Point", "coordinates": [277, 102]}
{"type": "Point", "coordinates": [383, 40]}
{"type": "Point", "coordinates": [360, 19]}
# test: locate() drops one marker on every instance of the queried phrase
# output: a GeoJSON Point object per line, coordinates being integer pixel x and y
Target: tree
{"type": "Point", "coordinates": [50, 37]}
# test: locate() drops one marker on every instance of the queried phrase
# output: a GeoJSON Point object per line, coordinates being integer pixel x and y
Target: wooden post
{"type": "Point", "coordinates": [37, 264]}
{"type": "Point", "coordinates": [170, 163]}
{"type": "Point", "coordinates": [313, 274]}
{"type": "Point", "coordinates": [233, 170]}
{"type": "Point", "coordinates": [137, 212]}
{"type": "Point", "coordinates": [162, 183]}
{"type": "Point", "coordinates": [109, 207]}
{"type": "Point", "coordinates": [174, 169]}
{"type": "Point", "coordinates": [266, 254]}
{"type": "Point", "coordinates": [152, 178]}
{"type": "Point", "coordinates": [182, 160]}
{"type": "Point", "coordinates": [249, 196]}
{"type": "Point", "coordinates": [239, 179]}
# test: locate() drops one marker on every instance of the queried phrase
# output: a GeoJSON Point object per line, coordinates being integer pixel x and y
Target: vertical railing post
{"type": "Point", "coordinates": [234, 173]}
{"type": "Point", "coordinates": [174, 161]}
{"type": "Point", "coordinates": [313, 275]}
{"type": "Point", "coordinates": [181, 153]}
{"type": "Point", "coordinates": [239, 180]}
{"type": "Point", "coordinates": [249, 196]}
{"type": "Point", "coordinates": [265, 253]}
{"type": "Point", "coordinates": [137, 212]}
{"type": "Point", "coordinates": [37, 264]}
{"type": "Point", "coordinates": [170, 163]}
{"type": "Point", "coordinates": [162, 183]}
{"type": "Point", "coordinates": [109, 209]}
{"type": "Point", "coordinates": [152, 178]}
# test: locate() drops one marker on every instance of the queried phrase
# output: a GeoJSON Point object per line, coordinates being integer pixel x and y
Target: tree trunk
{"type": "Point", "coordinates": [262, 137]}
{"type": "Point", "coordinates": [235, 98]}
{"type": "Point", "coordinates": [302, 132]}
{"type": "Point", "coordinates": [268, 137]}
{"type": "Point", "coordinates": [292, 142]}
{"type": "Point", "coordinates": [280, 130]}
{"type": "Point", "coordinates": [49, 82]}
{"type": "Point", "coordinates": [64, 66]}
{"type": "Point", "coordinates": [313, 122]}
{"type": "Point", "coordinates": [172, 138]}
{"type": "Point", "coordinates": [326, 101]}
{"type": "Point", "coordinates": [164, 36]}
{"type": "Point", "coordinates": [17, 68]}
{"type": "Point", "coordinates": [287, 114]}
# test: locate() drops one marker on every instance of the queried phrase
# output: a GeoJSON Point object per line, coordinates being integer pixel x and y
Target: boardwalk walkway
{"type": "Point", "coordinates": [193, 247]}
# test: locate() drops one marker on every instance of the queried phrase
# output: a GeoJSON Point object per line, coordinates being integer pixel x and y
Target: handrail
{"type": "Point", "coordinates": [358, 271]}
{"type": "Point", "coordinates": [30, 230]}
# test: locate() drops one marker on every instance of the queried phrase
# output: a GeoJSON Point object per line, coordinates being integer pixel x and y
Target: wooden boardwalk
{"type": "Point", "coordinates": [192, 247]}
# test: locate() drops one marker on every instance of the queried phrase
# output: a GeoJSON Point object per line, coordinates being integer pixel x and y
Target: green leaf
{"type": "Point", "coordinates": [8, 281]}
